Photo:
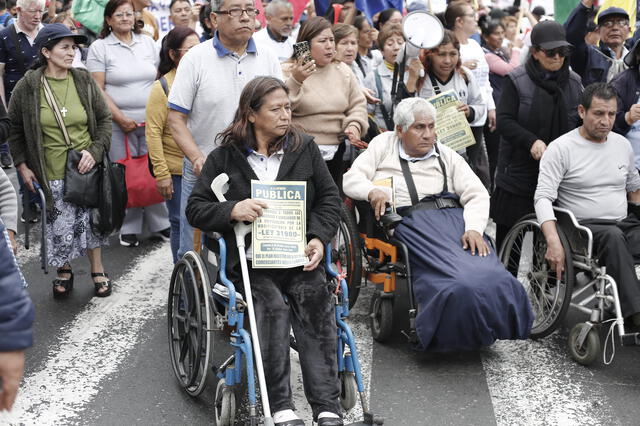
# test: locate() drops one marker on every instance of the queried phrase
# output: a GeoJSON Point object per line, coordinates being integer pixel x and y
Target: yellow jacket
{"type": "Point", "coordinates": [165, 154]}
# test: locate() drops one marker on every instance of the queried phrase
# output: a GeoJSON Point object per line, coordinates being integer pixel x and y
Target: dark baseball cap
{"type": "Point", "coordinates": [612, 11]}
{"type": "Point", "coordinates": [538, 11]}
{"type": "Point", "coordinates": [55, 32]}
{"type": "Point", "coordinates": [549, 35]}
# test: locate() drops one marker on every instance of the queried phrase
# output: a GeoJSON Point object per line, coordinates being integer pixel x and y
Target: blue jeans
{"type": "Point", "coordinates": [189, 179]}
{"type": "Point", "coordinates": [173, 205]}
{"type": "Point", "coordinates": [4, 147]}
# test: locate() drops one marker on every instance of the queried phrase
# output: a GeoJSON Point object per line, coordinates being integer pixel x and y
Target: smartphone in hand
{"type": "Point", "coordinates": [302, 52]}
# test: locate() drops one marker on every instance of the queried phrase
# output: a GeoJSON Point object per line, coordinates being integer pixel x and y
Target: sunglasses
{"type": "Point", "coordinates": [563, 51]}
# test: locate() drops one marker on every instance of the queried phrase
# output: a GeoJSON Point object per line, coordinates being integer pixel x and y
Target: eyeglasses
{"type": "Point", "coordinates": [563, 51]}
{"type": "Point", "coordinates": [121, 15]}
{"type": "Point", "coordinates": [236, 12]}
{"type": "Point", "coordinates": [609, 23]}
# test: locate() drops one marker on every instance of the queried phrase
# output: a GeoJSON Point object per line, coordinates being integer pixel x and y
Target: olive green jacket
{"type": "Point", "coordinates": [25, 136]}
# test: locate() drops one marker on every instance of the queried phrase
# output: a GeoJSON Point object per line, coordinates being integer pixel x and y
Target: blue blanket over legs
{"type": "Point", "coordinates": [463, 301]}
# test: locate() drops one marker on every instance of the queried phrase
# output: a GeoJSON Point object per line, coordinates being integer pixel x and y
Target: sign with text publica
{"type": "Point", "coordinates": [278, 237]}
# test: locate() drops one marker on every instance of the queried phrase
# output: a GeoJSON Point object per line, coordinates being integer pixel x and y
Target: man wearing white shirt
{"type": "Point", "coordinates": [207, 87]}
{"type": "Point", "coordinates": [277, 34]}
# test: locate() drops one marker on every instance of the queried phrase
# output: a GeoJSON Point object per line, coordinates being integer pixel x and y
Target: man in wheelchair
{"type": "Point", "coordinates": [591, 172]}
{"type": "Point", "coordinates": [465, 297]}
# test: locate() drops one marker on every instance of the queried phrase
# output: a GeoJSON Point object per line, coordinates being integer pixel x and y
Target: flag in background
{"type": "Point", "coordinates": [368, 7]}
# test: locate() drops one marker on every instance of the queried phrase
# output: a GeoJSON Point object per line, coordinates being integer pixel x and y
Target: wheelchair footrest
{"type": "Point", "coordinates": [631, 339]}
{"type": "Point", "coordinates": [223, 291]}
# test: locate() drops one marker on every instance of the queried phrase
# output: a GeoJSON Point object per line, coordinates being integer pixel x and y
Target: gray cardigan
{"type": "Point", "coordinates": [25, 137]}
{"type": "Point", "coordinates": [8, 203]}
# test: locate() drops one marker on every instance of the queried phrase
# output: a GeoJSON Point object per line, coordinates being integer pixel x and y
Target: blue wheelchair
{"type": "Point", "coordinates": [206, 330]}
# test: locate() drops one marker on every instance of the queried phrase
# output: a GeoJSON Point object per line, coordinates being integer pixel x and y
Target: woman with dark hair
{"type": "Point", "coordinates": [328, 115]}
{"type": "Point", "coordinates": [367, 58]}
{"type": "Point", "coordinates": [262, 144]}
{"type": "Point", "coordinates": [538, 104]}
{"type": "Point", "coordinates": [40, 149]}
{"type": "Point", "coordinates": [124, 64]}
{"type": "Point", "coordinates": [445, 72]}
{"type": "Point", "coordinates": [166, 157]}
{"type": "Point", "coordinates": [501, 62]}
{"type": "Point", "coordinates": [389, 16]}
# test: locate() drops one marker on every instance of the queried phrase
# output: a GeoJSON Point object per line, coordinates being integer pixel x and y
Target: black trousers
{"type": "Point", "coordinates": [309, 310]}
{"type": "Point", "coordinates": [337, 166]}
{"type": "Point", "coordinates": [617, 246]}
{"type": "Point", "coordinates": [492, 142]}
{"type": "Point", "coordinates": [477, 157]}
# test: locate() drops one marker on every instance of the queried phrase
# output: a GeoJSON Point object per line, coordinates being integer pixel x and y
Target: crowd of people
{"type": "Point", "coordinates": [218, 93]}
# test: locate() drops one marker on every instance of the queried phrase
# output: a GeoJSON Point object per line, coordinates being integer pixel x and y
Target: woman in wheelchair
{"type": "Point", "coordinates": [262, 144]}
{"type": "Point", "coordinates": [464, 300]}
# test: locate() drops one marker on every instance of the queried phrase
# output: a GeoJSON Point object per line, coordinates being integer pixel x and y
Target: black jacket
{"type": "Point", "coordinates": [627, 85]}
{"type": "Point", "coordinates": [517, 171]}
{"type": "Point", "coordinates": [590, 62]}
{"type": "Point", "coordinates": [206, 213]}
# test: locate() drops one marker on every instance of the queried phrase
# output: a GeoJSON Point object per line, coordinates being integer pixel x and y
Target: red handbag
{"type": "Point", "coordinates": [141, 186]}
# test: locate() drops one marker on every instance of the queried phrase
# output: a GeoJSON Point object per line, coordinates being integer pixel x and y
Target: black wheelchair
{"type": "Point", "coordinates": [522, 253]}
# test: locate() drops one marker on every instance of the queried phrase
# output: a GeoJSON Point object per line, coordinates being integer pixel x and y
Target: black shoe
{"type": "Point", "coordinates": [296, 422]}
{"type": "Point", "coordinates": [129, 240]}
{"type": "Point", "coordinates": [330, 421]}
{"type": "Point", "coordinates": [5, 160]}
{"type": "Point", "coordinates": [63, 286]}
{"type": "Point", "coordinates": [165, 234]}
{"type": "Point", "coordinates": [102, 288]}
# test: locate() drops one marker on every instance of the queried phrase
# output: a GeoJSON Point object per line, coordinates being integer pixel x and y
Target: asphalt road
{"type": "Point", "coordinates": [106, 362]}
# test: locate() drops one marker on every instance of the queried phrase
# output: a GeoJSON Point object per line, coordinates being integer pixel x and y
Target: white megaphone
{"type": "Point", "coordinates": [422, 30]}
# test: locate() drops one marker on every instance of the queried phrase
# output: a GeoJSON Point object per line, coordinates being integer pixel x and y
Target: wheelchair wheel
{"type": "Point", "coordinates": [225, 406]}
{"type": "Point", "coordinates": [348, 390]}
{"type": "Point", "coordinates": [590, 349]}
{"type": "Point", "coordinates": [189, 323]}
{"type": "Point", "coordinates": [522, 254]}
{"type": "Point", "coordinates": [347, 252]}
{"type": "Point", "coordinates": [381, 314]}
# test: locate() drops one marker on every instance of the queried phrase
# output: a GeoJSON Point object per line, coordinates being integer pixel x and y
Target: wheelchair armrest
{"type": "Point", "coordinates": [390, 219]}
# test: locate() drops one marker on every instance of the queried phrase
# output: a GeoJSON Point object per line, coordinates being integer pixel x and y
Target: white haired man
{"type": "Point", "coordinates": [17, 53]}
{"type": "Point", "coordinates": [463, 301]}
{"type": "Point", "coordinates": [277, 34]}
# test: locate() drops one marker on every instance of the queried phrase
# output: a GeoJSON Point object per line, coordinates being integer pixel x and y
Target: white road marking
{"type": "Point", "coordinates": [535, 382]}
{"type": "Point", "coordinates": [33, 252]}
{"type": "Point", "coordinates": [94, 345]}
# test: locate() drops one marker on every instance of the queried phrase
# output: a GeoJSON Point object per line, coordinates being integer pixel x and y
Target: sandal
{"type": "Point", "coordinates": [66, 283]}
{"type": "Point", "coordinates": [102, 285]}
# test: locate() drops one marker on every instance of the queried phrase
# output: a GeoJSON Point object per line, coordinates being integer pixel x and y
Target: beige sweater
{"type": "Point", "coordinates": [327, 102]}
{"type": "Point", "coordinates": [380, 160]}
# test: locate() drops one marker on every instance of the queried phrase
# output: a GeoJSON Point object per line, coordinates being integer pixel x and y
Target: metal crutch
{"type": "Point", "coordinates": [219, 186]}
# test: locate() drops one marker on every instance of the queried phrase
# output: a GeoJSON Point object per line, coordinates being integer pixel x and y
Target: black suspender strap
{"type": "Point", "coordinates": [445, 186]}
{"type": "Point", "coordinates": [411, 186]}
{"type": "Point", "coordinates": [16, 45]}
